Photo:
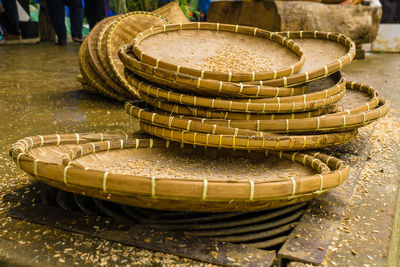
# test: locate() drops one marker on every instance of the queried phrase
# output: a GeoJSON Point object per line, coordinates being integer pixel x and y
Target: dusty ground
{"type": "Point", "coordinates": [39, 95]}
{"type": "Point", "coordinates": [364, 237]}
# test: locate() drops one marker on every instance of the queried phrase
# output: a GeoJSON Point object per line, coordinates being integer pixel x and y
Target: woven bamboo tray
{"type": "Point", "coordinates": [327, 87]}
{"type": "Point", "coordinates": [212, 135]}
{"type": "Point", "coordinates": [199, 85]}
{"type": "Point", "coordinates": [290, 104]}
{"type": "Point", "coordinates": [89, 164]}
{"type": "Point", "coordinates": [93, 82]}
{"type": "Point", "coordinates": [162, 47]}
{"type": "Point", "coordinates": [312, 41]}
{"type": "Point", "coordinates": [123, 31]}
{"type": "Point", "coordinates": [350, 119]}
{"type": "Point", "coordinates": [259, 108]}
{"type": "Point", "coordinates": [242, 142]}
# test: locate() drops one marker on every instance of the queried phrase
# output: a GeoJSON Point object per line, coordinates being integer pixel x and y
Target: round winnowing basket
{"type": "Point", "coordinates": [247, 142]}
{"type": "Point", "coordinates": [93, 82]}
{"type": "Point", "coordinates": [353, 115]}
{"type": "Point", "coordinates": [245, 49]}
{"type": "Point", "coordinates": [326, 53]}
{"type": "Point", "coordinates": [318, 99]}
{"type": "Point", "coordinates": [124, 170]}
{"type": "Point", "coordinates": [123, 31]}
{"type": "Point", "coordinates": [200, 85]}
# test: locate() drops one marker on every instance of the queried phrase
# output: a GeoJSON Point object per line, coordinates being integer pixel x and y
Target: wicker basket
{"type": "Point", "coordinates": [350, 119]}
{"type": "Point", "coordinates": [201, 113]}
{"type": "Point", "coordinates": [78, 162]}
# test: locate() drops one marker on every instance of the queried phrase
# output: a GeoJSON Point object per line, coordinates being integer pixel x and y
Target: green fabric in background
{"type": "Point", "coordinates": [85, 26]}
{"type": "Point", "coordinates": [34, 12]}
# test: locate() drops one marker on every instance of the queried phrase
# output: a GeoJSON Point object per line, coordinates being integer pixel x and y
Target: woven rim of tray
{"type": "Point", "coordinates": [224, 103]}
{"type": "Point", "coordinates": [260, 108]}
{"type": "Point", "coordinates": [198, 85]}
{"type": "Point", "coordinates": [220, 76]}
{"type": "Point", "coordinates": [181, 110]}
{"type": "Point", "coordinates": [242, 142]}
{"type": "Point", "coordinates": [349, 119]}
{"type": "Point", "coordinates": [212, 135]}
{"type": "Point", "coordinates": [117, 28]}
{"type": "Point", "coordinates": [304, 102]}
{"type": "Point", "coordinates": [73, 175]}
{"type": "Point", "coordinates": [326, 70]}
{"type": "Point", "coordinates": [93, 81]}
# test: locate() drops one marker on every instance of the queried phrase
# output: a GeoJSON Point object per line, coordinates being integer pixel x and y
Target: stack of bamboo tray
{"type": "Point", "coordinates": [101, 69]}
{"type": "Point", "coordinates": [245, 88]}
{"type": "Point", "coordinates": [245, 99]}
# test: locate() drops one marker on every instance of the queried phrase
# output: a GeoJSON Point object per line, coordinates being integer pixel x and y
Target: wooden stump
{"type": "Point", "coordinates": [360, 23]}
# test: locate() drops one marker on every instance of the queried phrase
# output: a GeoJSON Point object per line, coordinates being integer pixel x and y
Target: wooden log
{"type": "Point", "coordinates": [360, 23]}
{"type": "Point", "coordinates": [261, 14]}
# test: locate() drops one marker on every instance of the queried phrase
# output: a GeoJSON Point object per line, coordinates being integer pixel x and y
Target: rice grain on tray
{"type": "Point", "coordinates": [237, 59]}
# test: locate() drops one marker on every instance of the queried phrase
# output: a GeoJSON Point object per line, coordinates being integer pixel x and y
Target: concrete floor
{"type": "Point", "coordinates": [40, 95]}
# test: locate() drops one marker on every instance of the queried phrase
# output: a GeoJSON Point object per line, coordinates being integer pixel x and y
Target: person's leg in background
{"type": "Point", "coordinates": [76, 18]}
{"type": "Point", "coordinates": [12, 20]}
{"type": "Point", "coordinates": [95, 10]}
{"type": "Point", "coordinates": [46, 29]}
{"type": "Point", "coordinates": [57, 16]}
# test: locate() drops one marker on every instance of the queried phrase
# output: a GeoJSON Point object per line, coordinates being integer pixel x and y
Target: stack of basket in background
{"type": "Point", "coordinates": [101, 69]}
